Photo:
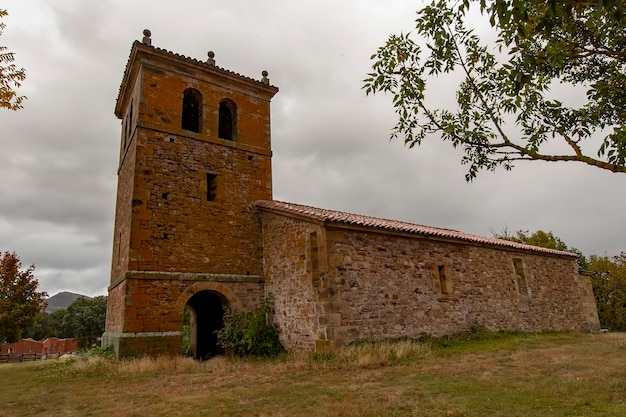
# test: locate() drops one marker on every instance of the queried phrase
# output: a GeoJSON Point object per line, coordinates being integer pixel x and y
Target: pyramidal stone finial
{"type": "Point", "coordinates": [211, 60]}
{"type": "Point", "coordinates": [265, 80]}
{"type": "Point", "coordinates": [146, 37]}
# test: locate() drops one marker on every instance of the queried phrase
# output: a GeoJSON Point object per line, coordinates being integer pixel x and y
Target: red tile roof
{"type": "Point", "coordinates": [334, 216]}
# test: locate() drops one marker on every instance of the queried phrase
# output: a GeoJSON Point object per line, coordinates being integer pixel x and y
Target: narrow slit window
{"type": "Point", "coordinates": [211, 187]}
{"type": "Point", "coordinates": [314, 258]}
{"type": "Point", "coordinates": [129, 126]}
{"type": "Point", "coordinates": [444, 281]}
{"type": "Point", "coordinates": [520, 277]}
{"type": "Point", "coordinates": [124, 137]}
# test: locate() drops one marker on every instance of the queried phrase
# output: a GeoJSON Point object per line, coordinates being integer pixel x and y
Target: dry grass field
{"type": "Point", "coordinates": [554, 374]}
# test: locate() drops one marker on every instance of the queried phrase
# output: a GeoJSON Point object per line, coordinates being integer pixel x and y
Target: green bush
{"type": "Point", "coordinates": [187, 333]}
{"type": "Point", "coordinates": [250, 333]}
{"type": "Point", "coordinates": [106, 352]}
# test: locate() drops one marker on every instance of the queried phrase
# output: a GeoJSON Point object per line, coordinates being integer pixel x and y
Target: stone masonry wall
{"type": "Point", "coordinates": [289, 278]}
{"type": "Point", "coordinates": [155, 302]}
{"type": "Point", "coordinates": [116, 302]}
{"type": "Point", "coordinates": [163, 84]}
{"type": "Point", "coordinates": [123, 211]}
{"type": "Point", "coordinates": [153, 308]}
{"type": "Point", "coordinates": [175, 228]}
{"type": "Point", "coordinates": [388, 286]}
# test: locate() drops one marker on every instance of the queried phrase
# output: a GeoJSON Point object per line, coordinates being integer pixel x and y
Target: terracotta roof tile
{"type": "Point", "coordinates": [334, 216]}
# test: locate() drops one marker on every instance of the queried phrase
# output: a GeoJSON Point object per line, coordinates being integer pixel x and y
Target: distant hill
{"type": "Point", "coordinates": [62, 300]}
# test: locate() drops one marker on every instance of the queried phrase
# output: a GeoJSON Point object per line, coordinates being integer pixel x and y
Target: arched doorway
{"type": "Point", "coordinates": [206, 316]}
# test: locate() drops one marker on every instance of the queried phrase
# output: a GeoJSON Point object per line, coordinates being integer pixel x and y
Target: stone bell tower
{"type": "Point", "coordinates": [195, 154]}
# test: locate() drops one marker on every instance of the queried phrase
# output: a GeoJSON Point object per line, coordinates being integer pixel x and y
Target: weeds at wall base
{"type": "Point", "coordinates": [535, 374]}
{"type": "Point", "coordinates": [360, 354]}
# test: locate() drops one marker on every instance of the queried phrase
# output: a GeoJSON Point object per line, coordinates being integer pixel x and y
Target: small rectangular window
{"type": "Point", "coordinates": [211, 187]}
{"type": "Point", "coordinates": [520, 277]}
{"type": "Point", "coordinates": [444, 281]}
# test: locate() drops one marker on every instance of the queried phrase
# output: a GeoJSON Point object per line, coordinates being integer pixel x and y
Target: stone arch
{"type": "Point", "coordinates": [206, 311]}
{"type": "Point", "coordinates": [206, 303]}
{"type": "Point", "coordinates": [233, 300]}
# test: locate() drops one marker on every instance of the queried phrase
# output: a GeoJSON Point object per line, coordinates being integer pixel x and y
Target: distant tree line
{"type": "Point", "coordinates": [83, 320]}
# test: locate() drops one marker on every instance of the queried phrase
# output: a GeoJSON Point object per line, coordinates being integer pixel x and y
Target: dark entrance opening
{"type": "Point", "coordinates": [206, 316]}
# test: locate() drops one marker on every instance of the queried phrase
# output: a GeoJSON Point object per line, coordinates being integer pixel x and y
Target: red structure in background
{"type": "Point", "coordinates": [49, 346]}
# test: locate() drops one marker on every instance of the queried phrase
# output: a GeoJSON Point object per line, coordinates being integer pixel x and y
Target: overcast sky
{"type": "Point", "coordinates": [58, 156]}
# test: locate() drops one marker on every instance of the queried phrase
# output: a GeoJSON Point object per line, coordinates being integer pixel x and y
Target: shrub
{"type": "Point", "coordinates": [106, 352]}
{"type": "Point", "coordinates": [250, 333]}
{"type": "Point", "coordinates": [187, 333]}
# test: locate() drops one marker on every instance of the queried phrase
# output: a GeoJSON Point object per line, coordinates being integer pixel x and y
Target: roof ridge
{"type": "Point", "coordinates": [328, 215]}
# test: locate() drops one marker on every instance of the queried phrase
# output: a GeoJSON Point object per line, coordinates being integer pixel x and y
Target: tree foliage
{"type": "Point", "coordinates": [10, 76]}
{"type": "Point", "coordinates": [538, 238]}
{"type": "Point", "coordinates": [505, 109]}
{"type": "Point", "coordinates": [48, 325]}
{"type": "Point", "coordinates": [609, 286]}
{"type": "Point", "coordinates": [544, 240]}
{"type": "Point", "coordinates": [20, 302]}
{"type": "Point", "coordinates": [84, 320]}
{"type": "Point", "coordinates": [249, 333]}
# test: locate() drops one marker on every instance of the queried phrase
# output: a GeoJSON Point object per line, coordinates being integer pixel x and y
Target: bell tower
{"type": "Point", "coordinates": [195, 154]}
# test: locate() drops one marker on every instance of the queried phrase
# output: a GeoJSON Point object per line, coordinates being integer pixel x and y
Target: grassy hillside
{"type": "Point", "coordinates": [557, 374]}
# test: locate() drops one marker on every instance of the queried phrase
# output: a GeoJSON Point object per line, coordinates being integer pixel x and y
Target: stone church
{"type": "Point", "coordinates": [196, 228]}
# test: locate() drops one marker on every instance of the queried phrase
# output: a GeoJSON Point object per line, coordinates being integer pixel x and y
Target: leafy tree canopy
{"type": "Point", "coordinates": [538, 238]}
{"type": "Point", "coordinates": [48, 325]}
{"type": "Point", "coordinates": [20, 302]}
{"type": "Point", "coordinates": [609, 286]}
{"type": "Point", "coordinates": [10, 76]}
{"type": "Point", "coordinates": [84, 320]}
{"type": "Point", "coordinates": [505, 109]}
{"type": "Point", "coordinates": [542, 239]}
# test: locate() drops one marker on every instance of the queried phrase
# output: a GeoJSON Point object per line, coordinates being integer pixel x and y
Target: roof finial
{"type": "Point", "coordinates": [211, 61]}
{"type": "Point", "coordinates": [265, 80]}
{"type": "Point", "coordinates": [146, 37]}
